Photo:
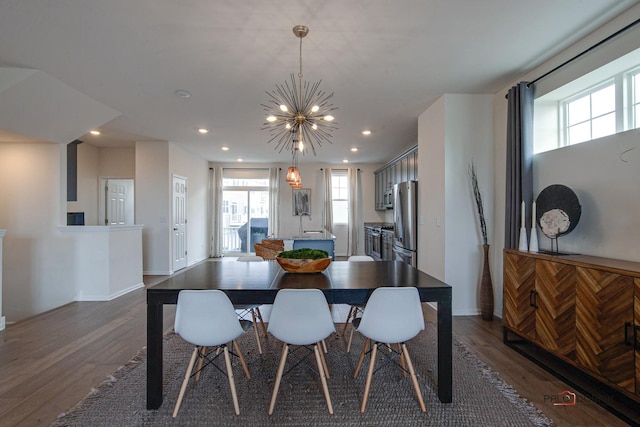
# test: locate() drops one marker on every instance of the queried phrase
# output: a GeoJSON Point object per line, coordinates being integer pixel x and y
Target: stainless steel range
{"type": "Point", "coordinates": [379, 241]}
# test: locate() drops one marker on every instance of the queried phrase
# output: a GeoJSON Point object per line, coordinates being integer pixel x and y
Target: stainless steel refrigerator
{"type": "Point", "coordinates": [405, 213]}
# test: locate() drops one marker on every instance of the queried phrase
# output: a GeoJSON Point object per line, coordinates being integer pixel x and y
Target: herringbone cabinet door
{"type": "Point", "coordinates": [556, 300]}
{"type": "Point", "coordinates": [604, 305]}
{"type": "Point", "coordinates": [519, 281]}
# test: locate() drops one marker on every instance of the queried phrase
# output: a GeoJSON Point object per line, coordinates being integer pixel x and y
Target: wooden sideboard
{"type": "Point", "coordinates": [583, 310]}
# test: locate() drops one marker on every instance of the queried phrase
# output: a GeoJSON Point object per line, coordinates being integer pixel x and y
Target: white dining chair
{"type": "Point", "coordinates": [301, 318]}
{"type": "Point", "coordinates": [355, 309]}
{"type": "Point", "coordinates": [207, 319]}
{"type": "Point", "coordinates": [244, 310]}
{"type": "Point", "coordinates": [391, 315]}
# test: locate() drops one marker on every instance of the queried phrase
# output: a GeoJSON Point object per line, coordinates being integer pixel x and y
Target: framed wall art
{"type": "Point", "coordinates": [302, 202]}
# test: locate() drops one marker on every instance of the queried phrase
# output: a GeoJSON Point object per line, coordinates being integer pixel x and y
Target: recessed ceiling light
{"type": "Point", "coordinates": [345, 161]}
{"type": "Point", "coordinates": [184, 94]}
{"type": "Point", "coordinates": [225, 148]}
{"type": "Point", "coordinates": [203, 131]}
{"type": "Point", "coordinates": [240, 160]}
{"type": "Point", "coordinates": [94, 132]}
{"type": "Point", "coordinates": [366, 132]}
{"type": "Point", "coordinates": [354, 149]}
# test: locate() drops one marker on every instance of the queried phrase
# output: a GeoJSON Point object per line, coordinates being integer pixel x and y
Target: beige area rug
{"type": "Point", "coordinates": [480, 397]}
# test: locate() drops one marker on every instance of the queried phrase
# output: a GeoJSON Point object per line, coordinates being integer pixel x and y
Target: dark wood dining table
{"type": "Point", "coordinates": [342, 282]}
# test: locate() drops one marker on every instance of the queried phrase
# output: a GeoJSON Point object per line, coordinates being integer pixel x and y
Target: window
{"type": "Point", "coordinates": [635, 101]}
{"type": "Point", "coordinates": [245, 209]}
{"type": "Point", "coordinates": [592, 115]}
{"type": "Point", "coordinates": [603, 102]}
{"type": "Point", "coordinates": [340, 197]}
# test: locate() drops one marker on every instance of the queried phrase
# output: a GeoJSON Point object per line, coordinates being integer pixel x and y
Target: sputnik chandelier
{"type": "Point", "coordinates": [299, 115]}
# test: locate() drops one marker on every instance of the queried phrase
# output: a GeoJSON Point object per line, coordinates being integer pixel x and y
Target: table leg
{"type": "Point", "coordinates": [154, 355]}
{"type": "Point", "coordinates": [445, 345]}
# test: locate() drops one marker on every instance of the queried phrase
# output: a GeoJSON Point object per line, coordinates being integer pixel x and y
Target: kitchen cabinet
{"type": "Point", "coordinates": [402, 168]}
{"type": "Point", "coordinates": [584, 310]}
{"type": "Point", "coordinates": [368, 241]}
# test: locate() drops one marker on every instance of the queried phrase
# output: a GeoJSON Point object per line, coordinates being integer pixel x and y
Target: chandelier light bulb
{"type": "Point", "coordinates": [300, 146]}
{"type": "Point", "coordinates": [299, 109]}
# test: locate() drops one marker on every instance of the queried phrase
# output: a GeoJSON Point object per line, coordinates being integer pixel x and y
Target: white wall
{"type": "Point", "coordinates": [452, 132]}
{"type": "Point", "coordinates": [116, 162]}
{"type": "Point", "coordinates": [196, 170]}
{"type": "Point", "coordinates": [604, 184]}
{"type": "Point", "coordinates": [2, 318]}
{"type": "Point", "coordinates": [36, 272]}
{"type": "Point", "coordinates": [431, 189]}
{"type": "Point", "coordinates": [607, 183]}
{"type": "Point", "coordinates": [153, 205]}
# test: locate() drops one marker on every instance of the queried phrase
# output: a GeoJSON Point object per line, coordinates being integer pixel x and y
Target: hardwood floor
{"type": "Point", "coordinates": [50, 362]}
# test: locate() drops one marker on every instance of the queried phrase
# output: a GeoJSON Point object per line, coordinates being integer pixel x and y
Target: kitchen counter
{"type": "Point", "coordinates": [313, 239]}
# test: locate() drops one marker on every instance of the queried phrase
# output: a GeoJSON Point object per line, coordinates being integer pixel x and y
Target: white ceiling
{"type": "Point", "coordinates": [386, 61]}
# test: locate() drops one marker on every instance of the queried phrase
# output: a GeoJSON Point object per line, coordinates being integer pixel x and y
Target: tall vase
{"type": "Point", "coordinates": [486, 288]}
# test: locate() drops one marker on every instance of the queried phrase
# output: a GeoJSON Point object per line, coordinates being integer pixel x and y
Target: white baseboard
{"type": "Point", "coordinates": [2, 323]}
{"type": "Point", "coordinates": [109, 297]}
{"type": "Point", "coordinates": [157, 273]}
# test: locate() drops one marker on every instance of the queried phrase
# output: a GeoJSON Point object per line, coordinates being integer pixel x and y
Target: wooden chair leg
{"type": "Point", "coordinates": [236, 347]}
{"type": "Point", "coordinates": [232, 383]}
{"type": "Point", "coordinates": [200, 361]}
{"type": "Point", "coordinates": [350, 339]}
{"type": "Point", "coordinates": [404, 369]}
{"type": "Point", "coordinates": [185, 381]}
{"type": "Point", "coordinates": [367, 384]}
{"type": "Point", "coordinates": [324, 347]}
{"type": "Point", "coordinates": [264, 328]}
{"type": "Point", "coordinates": [255, 329]}
{"type": "Point", "coordinates": [276, 386]}
{"type": "Point", "coordinates": [323, 379]}
{"type": "Point", "coordinates": [324, 364]}
{"type": "Point", "coordinates": [361, 358]}
{"type": "Point", "coordinates": [344, 329]}
{"type": "Point", "coordinates": [413, 378]}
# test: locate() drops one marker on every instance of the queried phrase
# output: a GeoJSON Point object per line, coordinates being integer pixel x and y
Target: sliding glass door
{"type": "Point", "coordinates": [245, 211]}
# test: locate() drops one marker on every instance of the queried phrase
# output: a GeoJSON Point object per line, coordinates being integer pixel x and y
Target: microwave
{"type": "Point", "coordinates": [388, 199]}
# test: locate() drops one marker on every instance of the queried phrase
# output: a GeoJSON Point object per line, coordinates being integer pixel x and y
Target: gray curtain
{"type": "Point", "coordinates": [519, 182]}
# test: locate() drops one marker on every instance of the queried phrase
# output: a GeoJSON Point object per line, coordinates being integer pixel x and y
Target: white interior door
{"type": "Point", "coordinates": [179, 222]}
{"type": "Point", "coordinates": [117, 202]}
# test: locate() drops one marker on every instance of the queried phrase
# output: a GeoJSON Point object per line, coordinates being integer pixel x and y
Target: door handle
{"type": "Point", "coordinates": [175, 229]}
{"type": "Point", "coordinates": [627, 325]}
{"type": "Point", "coordinates": [533, 299]}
